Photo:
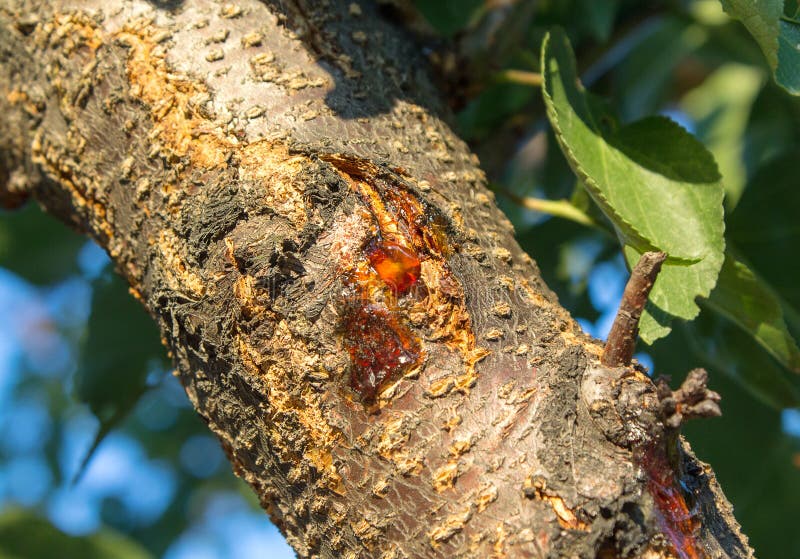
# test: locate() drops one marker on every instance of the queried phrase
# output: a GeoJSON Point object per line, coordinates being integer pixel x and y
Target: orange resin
{"type": "Point", "coordinates": [673, 516]}
{"type": "Point", "coordinates": [380, 347]}
{"type": "Point", "coordinates": [397, 266]}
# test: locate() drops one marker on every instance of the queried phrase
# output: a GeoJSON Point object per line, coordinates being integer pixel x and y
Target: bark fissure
{"type": "Point", "coordinates": [273, 209]}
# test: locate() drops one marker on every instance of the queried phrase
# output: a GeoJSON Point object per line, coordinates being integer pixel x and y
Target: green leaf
{"type": "Point", "coordinates": [26, 536]}
{"type": "Point", "coordinates": [657, 184]}
{"type": "Point", "coordinates": [750, 303]}
{"type": "Point", "coordinates": [37, 246]}
{"type": "Point", "coordinates": [598, 17]}
{"type": "Point", "coordinates": [121, 345]}
{"type": "Point", "coordinates": [765, 225]}
{"type": "Point", "coordinates": [777, 36]}
{"type": "Point", "coordinates": [449, 16]}
{"type": "Point", "coordinates": [788, 72]}
{"type": "Point", "coordinates": [495, 104]}
{"type": "Point", "coordinates": [645, 78]}
{"type": "Point", "coordinates": [720, 107]}
{"type": "Point", "coordinates": [728, 349]}
{"type": "Point", "coordinates": [761, 18]}
{"type": "Point", "coordinates": [772, 128]}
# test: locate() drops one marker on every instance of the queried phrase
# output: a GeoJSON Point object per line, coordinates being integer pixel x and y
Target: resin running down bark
{"type": "Point", "coordinates": [346, 307]}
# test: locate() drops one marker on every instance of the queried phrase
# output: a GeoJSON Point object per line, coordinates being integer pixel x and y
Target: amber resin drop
{"type": "Point", "coordinates": [380, 348]}
{"type": "Point", "coordinates": [396, 265]}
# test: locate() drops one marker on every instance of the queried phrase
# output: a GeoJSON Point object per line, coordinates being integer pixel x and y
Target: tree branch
{"type": "Point", "coordinates": [621, 342]}
{"type": "Point", "coordinates": [347, 308]}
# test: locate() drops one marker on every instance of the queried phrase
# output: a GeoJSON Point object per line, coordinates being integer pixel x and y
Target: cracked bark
{"type": "Point", "coordinates": [243, 164]}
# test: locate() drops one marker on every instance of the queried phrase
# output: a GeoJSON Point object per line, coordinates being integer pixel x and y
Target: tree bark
{"type": "Point", "coordinates": [346, 307]}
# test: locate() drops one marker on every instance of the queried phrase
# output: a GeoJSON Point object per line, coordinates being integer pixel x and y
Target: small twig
{"type": "Point", "coordinates": [522, 77]}
{"type": "Point", "coordinates": [557, 208]}
{"type": "Point", "coordinates": [622, 338]}
{"type": "Point", "coordinates": [693, 399]}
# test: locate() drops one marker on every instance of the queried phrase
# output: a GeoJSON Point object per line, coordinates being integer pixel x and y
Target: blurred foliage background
{"type": "Point", "coordinates": [81, 365]}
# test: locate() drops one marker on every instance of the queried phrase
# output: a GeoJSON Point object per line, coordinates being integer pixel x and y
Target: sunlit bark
{"type": "Point", "coordinates": [347, 308]}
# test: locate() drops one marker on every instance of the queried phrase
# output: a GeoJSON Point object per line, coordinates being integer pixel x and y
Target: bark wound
{"type": "Point", "coordinates": [674, 519]}
{"type": "Point", "coordinates": [400, 289]}
{"type": "Point", "coordinates": [173, 100]}
{"type": "Point", "coordinates": [677, 520]}
{"type": "Point", "coordinates": [397, 266]}
{"type": "Point", "coordinates": [647, 426]}
{"type": "Point", "coordinates": [381, 348]}
{"type": "Point", "coordinates": [536, 488]}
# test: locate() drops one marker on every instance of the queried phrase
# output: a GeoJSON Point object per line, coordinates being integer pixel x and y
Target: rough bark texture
{"type": "Point", "coordinates": [347, 308]}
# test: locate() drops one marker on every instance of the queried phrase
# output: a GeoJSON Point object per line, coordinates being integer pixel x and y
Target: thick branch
{"type": "Point", "coordinates": [347, 308]}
